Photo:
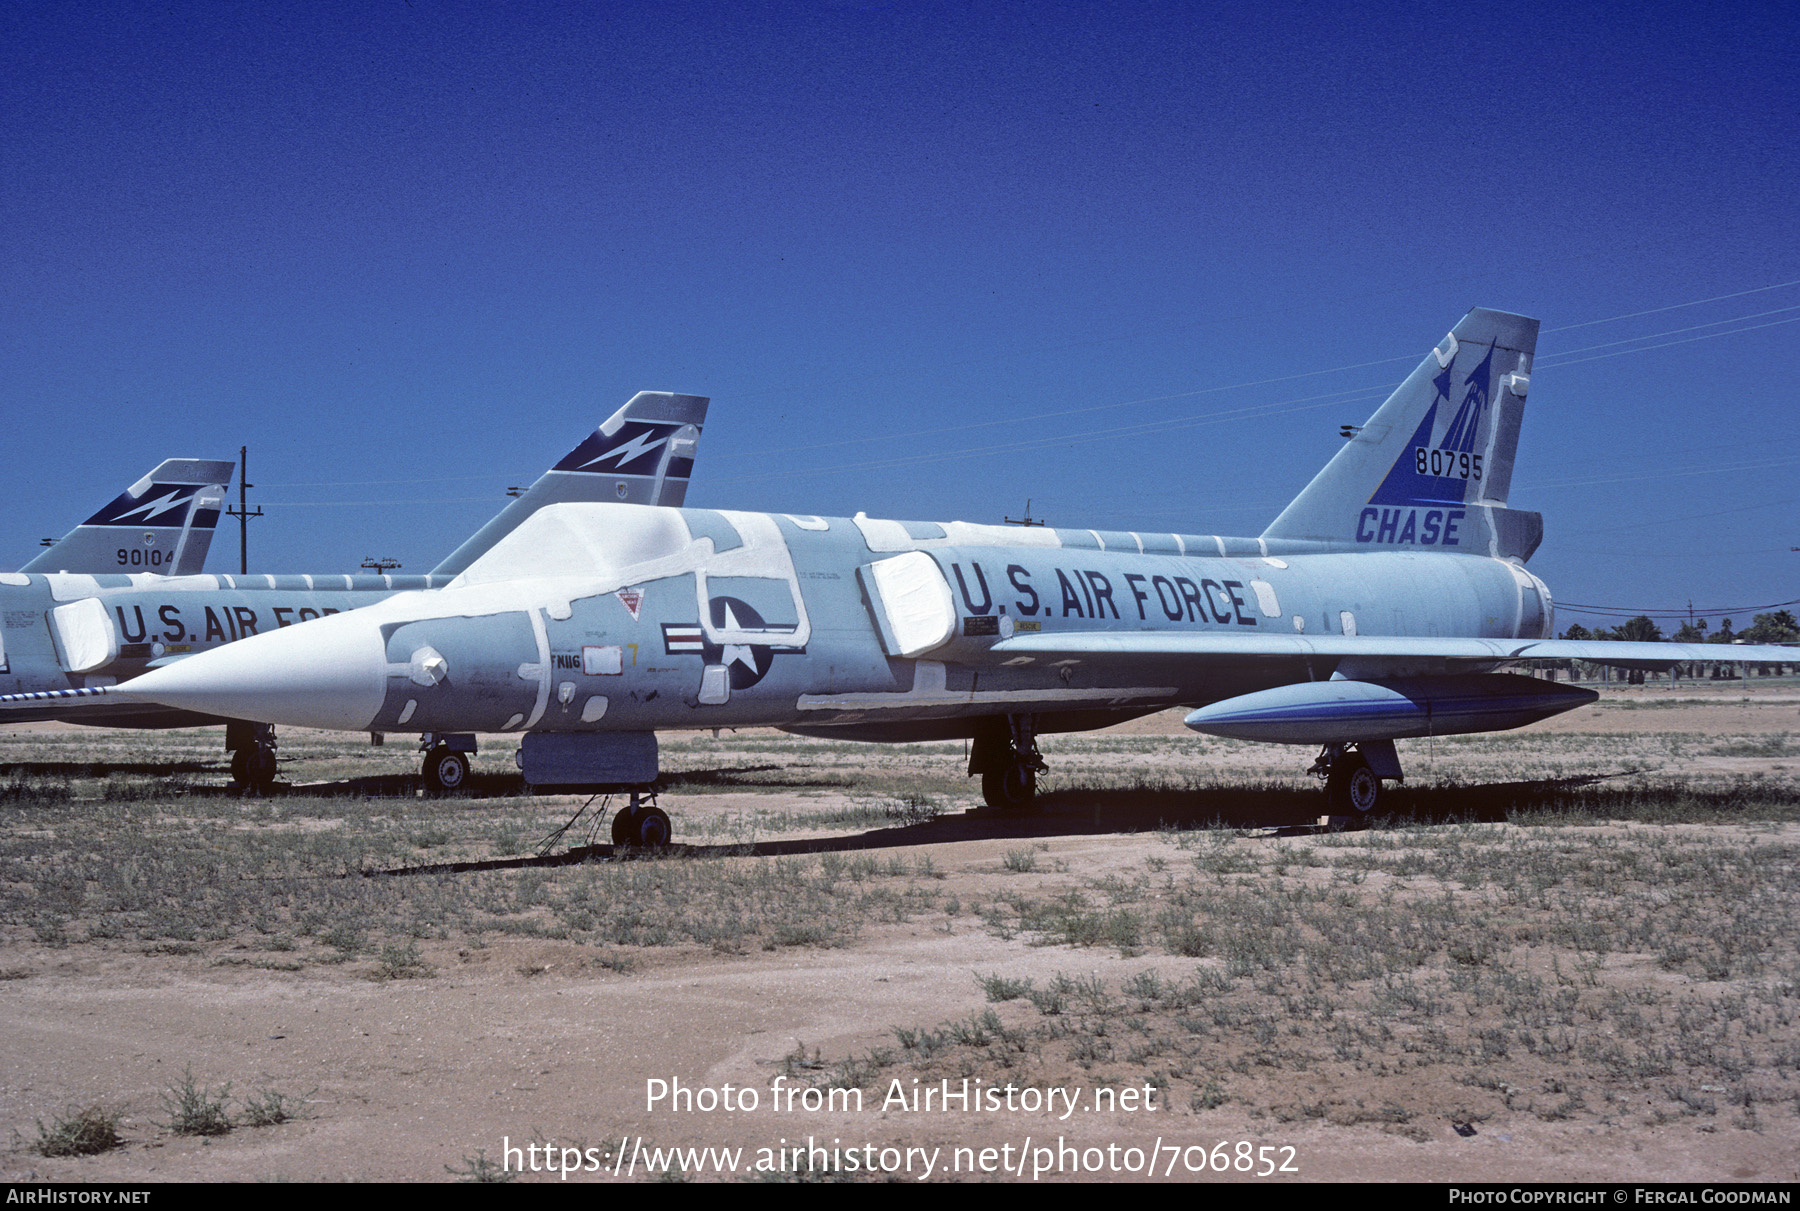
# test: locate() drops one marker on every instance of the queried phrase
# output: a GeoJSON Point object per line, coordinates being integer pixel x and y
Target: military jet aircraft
{"type": "Point", "coordinates": [70, 630]}
{"type": "Point", "coordinates": [1382, 603]}
{"type": "Point", "coordinates": [163, 523]}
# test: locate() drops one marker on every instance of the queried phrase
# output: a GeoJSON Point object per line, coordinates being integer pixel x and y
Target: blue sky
{"type": "Point", "coordinates": [927, 259]}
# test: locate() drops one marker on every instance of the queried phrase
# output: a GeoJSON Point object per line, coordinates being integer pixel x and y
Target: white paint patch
{"type": "Point", "coordinates": [606, 661]}
{"type": "Point", "coordinates": [884, 535]}
{"type": "Point", "coordinates": [1273, 562]}
{"type": "Point", "coordinates": [715, 685]}
{"type": "Point", "coordinates": [1347, 621]}
{"type": "Point", "coordinates": [565, 693]}
{"type": "Point", "coordinates": [70, 586]}
{"type": "Point", "coordinates": [406, 712]}
{"type": "Point", "coordinates": [594, 709]}
{"type": "Point", "coordinates": [84, 635]}
{"type": "Point", "coordinates": [427, 667]}
{"type": "Point", "coordinates": [543, 646]}
{"type": "Point", "coordinates": [914, 597]}
{"type": "Point", "coordinates": [14, 578]}
{"type": "Point", "coordinates": [1266, 600]}
{"type": "Point", "coordinates": [177, 584]}
{"type": "Point", "coordinates": [510, 724]}
{"type": "Point", "coordinates": [1098, 539]}
{"type": "Point", "coordinates": [808, 523]}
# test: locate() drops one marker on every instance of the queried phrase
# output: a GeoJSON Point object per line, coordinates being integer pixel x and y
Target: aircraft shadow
{"type": "Point", "coordinates": [100, 769]}
{"type": "Point", "coordinates": [512, 785]}
{"type": "Point", "coordinates": [1284, 812]}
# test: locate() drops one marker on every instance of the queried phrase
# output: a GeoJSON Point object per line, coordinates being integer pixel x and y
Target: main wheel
{"type": "Point", "coordinates": [1009, 788]}
{"type": "Point", "coordinates": [642, 827]}
{"type": "Point", "coordinates": [653, 828]}
{"type": "Point", "coordinates": [446, 770]}
{"type": "Point", "coordinates": [1353, 790]}
{"type": "Point", "coordinates": [624, 825]}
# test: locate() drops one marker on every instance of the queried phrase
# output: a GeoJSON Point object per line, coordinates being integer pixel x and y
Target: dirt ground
{"type": "Point", "coordinates": [1502, 1050]}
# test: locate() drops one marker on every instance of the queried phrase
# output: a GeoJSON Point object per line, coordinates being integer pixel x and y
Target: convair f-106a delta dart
{"type": "Point", "coordinates": [1382, 603]}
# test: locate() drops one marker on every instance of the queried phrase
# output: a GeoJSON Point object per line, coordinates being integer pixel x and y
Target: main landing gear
{"type": "Point", "coordinates": [252, 747]}
{"type": "Point", "coordinates": [1005, 753]}
{"type": "Point", "coordinates": [641, 824]}
{"type": "Point", "coordinates": [1353, 774]}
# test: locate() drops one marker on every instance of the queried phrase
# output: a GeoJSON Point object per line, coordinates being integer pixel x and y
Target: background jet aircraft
{"type": "Point", "coordinates": [69, 635]}
{"type": "Point", "coordinates": [1380, 604]}
{"type": "Point", "coordinates": [162, 523]}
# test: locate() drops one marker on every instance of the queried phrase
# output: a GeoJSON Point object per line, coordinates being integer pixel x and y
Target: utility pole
{"type": "Point", "coordinates": [1027, 520]}
{"type": "Point", "coordinates": [242, 512]}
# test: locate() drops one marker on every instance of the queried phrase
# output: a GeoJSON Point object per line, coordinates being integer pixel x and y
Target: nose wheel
{"type": "Point", "coordinates": [446, 770]}
{"type": "Point", "coordinates": [252, 748]}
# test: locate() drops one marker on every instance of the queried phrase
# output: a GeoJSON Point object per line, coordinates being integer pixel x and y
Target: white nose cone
{"type": "Point", "coordinates": [331, 673]}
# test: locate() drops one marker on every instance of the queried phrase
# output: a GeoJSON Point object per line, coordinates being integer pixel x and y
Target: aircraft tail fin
{"type": "Point", "coordinates": [162, 523]}
{"type": "Point", "coordinates": [1432, 468]}
{"type": "Point", "coordinates": [641, 454]}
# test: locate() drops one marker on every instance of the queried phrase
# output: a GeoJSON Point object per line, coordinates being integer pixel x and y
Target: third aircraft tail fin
{"type": "Point", "coordinates": [1432, 468]}
{"type": "Point", "coordinates": [641, 454]}
{"type": "Point", "coordinates": [162, 523]}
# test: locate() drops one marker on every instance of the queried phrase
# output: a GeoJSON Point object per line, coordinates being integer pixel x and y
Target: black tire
{"type": "Point", "coordinates": [446, 770]}
{"type": "Point", "coordinates": [654, 828]}
{"type": "Point", "coordinates": [1353, 791]}
{"type": "Point", "coordinates": [642, 828]}
{"type": "Point", "coordinates": [1011, 788]}
{"type": "Point", "coordinates": [254, 767]}
{"type": "Point", "coordinates": [623, 825]}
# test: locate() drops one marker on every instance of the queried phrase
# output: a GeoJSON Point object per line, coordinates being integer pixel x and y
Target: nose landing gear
{"type": "Point", "coordinates": [446, 765]}
{"type": "Point", "coordinates": [252, 746]}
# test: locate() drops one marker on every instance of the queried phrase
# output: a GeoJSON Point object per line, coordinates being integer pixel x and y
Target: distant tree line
{"type": "Point", "coordinates": [1777, 627]}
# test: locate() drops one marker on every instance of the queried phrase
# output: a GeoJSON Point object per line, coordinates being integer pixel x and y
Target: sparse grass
{"type": "Point", "coordinates": [270, 1108]}
{"type": "Point", "coordinates": [1783, 745]}
{"type": "Point", "coordinates": [83, 1132]}
{"type": "Point", "coordinates": [1526, 929]}
{"type": "Point", "coordinates": [398, 962]}
{"type": "Point", "coordinates": [194, 1109]}
{"type": "Point", "coordinates": [999, 988]}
